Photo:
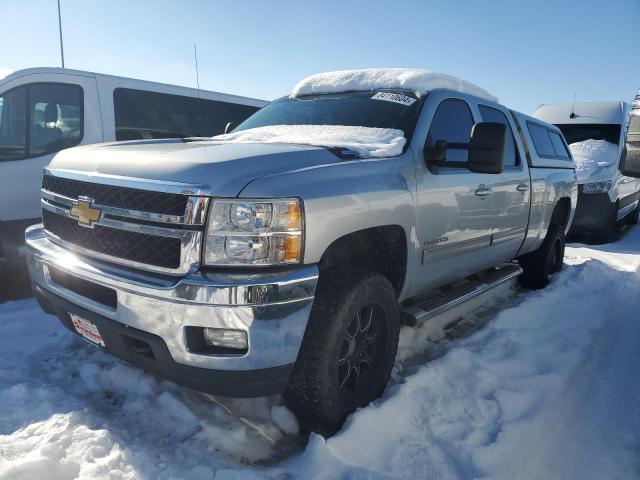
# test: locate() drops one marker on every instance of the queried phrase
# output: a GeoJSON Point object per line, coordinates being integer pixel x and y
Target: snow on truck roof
{"type": "Point", "coordinates": [378, 78]}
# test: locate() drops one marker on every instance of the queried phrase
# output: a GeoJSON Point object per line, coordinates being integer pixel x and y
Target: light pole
{"type": "Point", "coordinates": [60, 30]}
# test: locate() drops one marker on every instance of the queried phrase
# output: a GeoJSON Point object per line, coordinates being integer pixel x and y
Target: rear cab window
{"type": "Point", "coordinates": [490, 114]}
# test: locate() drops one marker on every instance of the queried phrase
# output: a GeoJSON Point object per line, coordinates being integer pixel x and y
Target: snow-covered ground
{"type": "Point", "coordinates": [540, 385]}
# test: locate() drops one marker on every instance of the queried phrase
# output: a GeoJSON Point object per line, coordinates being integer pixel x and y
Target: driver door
{"type": "Point", "coordinates": [455, 213]}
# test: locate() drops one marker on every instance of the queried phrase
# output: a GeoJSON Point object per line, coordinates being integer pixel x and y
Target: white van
{"type": "Point", "coordinates": [595, 132]}
{"type": "Point", "coordinates": [45, 110]}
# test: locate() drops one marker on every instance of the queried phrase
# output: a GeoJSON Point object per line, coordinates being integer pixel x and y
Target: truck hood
{"type": "Point", "coordinates": [224, 167]}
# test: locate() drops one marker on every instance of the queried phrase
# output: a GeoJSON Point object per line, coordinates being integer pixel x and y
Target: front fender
{"type": "Point", "coordinates": [346, 197]}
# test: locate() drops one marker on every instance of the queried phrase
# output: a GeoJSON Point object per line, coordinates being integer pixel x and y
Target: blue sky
{"type": "Point", "coordinates": [525, 52]}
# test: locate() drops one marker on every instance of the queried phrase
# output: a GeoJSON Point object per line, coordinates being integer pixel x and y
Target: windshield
{"type": "Point", "coordinates": [395, 110]}
{"type": "Point", "coordinates": [575, 133]}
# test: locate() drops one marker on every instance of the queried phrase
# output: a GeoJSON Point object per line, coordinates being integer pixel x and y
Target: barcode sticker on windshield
{"type": "Point", "coordinates": [394, 97]}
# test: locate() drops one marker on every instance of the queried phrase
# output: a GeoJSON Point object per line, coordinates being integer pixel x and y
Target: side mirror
{"type": "Point", "coordinates": [630, 164]}
{"type": "Point", "coordinates": [488, 147]}
{"type": "Point", "coordinates": [229, 127]}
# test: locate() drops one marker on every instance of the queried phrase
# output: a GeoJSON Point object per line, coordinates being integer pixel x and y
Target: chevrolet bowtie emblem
{"type": "Point", "coordinates": [84, 213]}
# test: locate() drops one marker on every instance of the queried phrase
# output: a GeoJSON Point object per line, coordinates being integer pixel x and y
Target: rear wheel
{"type": "Point", "coordinates": [348, 349]}
{"type": "Point", "coordinates": [538, 266]}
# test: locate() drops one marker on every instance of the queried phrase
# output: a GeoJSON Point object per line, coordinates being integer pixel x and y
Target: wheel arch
{"type": "Point", "coordinates": [381, 249]}
{"type": "Point", "coordinates": [561, 213]}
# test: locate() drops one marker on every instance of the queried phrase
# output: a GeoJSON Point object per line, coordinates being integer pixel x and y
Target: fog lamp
{"type": "Point", "coordinates": [221, 337]}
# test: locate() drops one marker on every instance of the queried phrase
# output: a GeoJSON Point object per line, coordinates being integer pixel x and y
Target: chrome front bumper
{"type": "Point", "coordinates": [273, 308]}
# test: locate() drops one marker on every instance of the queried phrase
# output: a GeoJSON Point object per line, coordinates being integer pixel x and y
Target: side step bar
{"type": "Point", "coordinates": [452, 296]}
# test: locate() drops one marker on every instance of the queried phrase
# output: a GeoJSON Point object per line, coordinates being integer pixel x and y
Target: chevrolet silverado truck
{"type": "Point", "coordinates": [284, 256]}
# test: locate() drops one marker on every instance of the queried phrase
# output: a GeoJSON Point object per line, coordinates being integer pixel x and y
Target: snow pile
{"type": "Point", "coordinates": [377, 78]}
{"type": "Point", "coordinates": [366, 141]}
{"type": "Point", "coordinates": [593, 156]}
{"type": "Point", "coordinates": [546, 387]}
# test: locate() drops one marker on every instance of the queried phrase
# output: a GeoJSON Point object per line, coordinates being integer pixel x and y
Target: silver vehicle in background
{"type": "Point", "coordinates": [247, 267]}
{"type": "Point", "coordinates": [596, 134]}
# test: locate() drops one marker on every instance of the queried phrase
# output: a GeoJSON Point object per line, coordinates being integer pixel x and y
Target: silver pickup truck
{"type": "Point", "coordinates": [285, 255]}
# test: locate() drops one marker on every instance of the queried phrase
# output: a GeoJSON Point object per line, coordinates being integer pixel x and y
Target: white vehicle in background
{"type": "Point", "coordinates": [45, 110]}
{"type": "Point", "coordinates": [595, 132]}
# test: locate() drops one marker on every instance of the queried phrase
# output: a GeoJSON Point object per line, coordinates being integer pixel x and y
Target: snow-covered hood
{"type": "Point", "coordinates": [367, 142]}
{"type": "Point", "coordinates": [225, 167]}
{"type": "Point", "coordinates": [596, 160]}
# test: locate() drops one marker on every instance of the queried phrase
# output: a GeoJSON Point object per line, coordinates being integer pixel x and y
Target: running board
{"type": "Point", "coordinates": [454, 296]}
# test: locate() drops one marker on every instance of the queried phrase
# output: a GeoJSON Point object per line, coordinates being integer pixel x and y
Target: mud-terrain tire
{"type": "Point", "coordinates": [538, 266]}
{"type": "Point", "coordinates": [348, 349]}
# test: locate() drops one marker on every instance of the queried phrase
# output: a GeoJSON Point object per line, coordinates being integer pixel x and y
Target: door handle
{"type": "Point", "coordinates": [523, 187]}
{"type": "Point", "coordinates": [482, 191]}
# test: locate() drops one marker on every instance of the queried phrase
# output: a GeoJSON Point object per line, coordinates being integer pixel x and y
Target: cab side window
{"type": "Point", "coordinates": [39, 119]}
{"type": "Point", "coordinates": [452, 122]}
{"type": "Point", "coordinates": [490, 114]}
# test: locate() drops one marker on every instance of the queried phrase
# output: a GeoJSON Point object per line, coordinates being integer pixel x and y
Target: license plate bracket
{"type": "Point", "coordinates": [87, 329]}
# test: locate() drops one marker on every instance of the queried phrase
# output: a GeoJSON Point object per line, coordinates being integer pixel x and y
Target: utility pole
{"type": "Point", "coordinates": [195, 56]}
{"type": "Point", "coordinates": [60, 30]}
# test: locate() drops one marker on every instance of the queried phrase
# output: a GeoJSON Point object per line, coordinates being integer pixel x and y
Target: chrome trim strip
{"type": "Point", "coordinates": [238, 289]}
{"type": "Point", "coordinates": [123, 225]}
{"type": "Point", "coordinates": [623, 212]}
{"type": "Point", "coordinates": [517, 233]}
{"type": "Point", "coordinates": [445, 249]}
{"type": "Point", "coordinates": [162, 186]}
{"type": "Point", "coordinates": [195, 212]}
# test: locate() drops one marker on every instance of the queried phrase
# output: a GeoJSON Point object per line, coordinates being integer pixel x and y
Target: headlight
{"type": "Point", "coordinates": [254, 232]}
{"type": "Point", "coordinates": [596, 187]}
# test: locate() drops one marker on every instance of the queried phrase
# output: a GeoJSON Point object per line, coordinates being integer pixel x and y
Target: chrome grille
{"type": "Point", "coordinates": [115, 196]}
{"type": "Point", "coordinates": [144, 228]}
{"type": "Point", "coordinates": [134, 246]}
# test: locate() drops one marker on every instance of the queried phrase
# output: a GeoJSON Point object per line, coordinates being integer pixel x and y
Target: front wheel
{"type": "Point", "coordinates": [348, 349]}
{"type": "Point", "coordinates": [538, 266]}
